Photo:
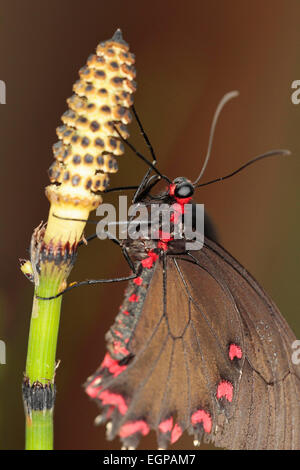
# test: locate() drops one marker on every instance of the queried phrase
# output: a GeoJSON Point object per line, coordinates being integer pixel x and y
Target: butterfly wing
{"type": "Point", "coordinates": [199, 346]}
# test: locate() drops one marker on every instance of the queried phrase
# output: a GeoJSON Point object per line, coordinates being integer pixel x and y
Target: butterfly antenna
{"type": "Point", "coordinates": [150, 164]}
{"type": "Point", "coordinates": [224, 100]}
{"type": "Point", "coordinates": [271, 153]}
{"type": "Point", "coordinates": [145, 137]}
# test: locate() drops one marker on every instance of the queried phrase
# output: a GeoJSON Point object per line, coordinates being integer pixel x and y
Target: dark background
{"type": "Point", "coordinates": [188, 55]}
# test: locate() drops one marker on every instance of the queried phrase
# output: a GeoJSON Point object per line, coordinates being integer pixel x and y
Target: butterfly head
{"type": "Point", "coordinates": [181, 189]}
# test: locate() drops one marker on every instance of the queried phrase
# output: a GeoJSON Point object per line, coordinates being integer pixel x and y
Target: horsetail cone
{"type": "Point", "coordinates": [88, 143]}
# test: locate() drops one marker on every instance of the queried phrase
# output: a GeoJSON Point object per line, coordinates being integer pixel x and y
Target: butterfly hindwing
{"type": "Point", "coordinates": [207, 352]}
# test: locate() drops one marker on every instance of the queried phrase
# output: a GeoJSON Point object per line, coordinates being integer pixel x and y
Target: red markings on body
{"type": "Point", "coordinates": [162, 245]}
{"type": "Point", "coordinates": [138, 281]}
{"type": "Point", "coordinates": [148, 262]}
{"type": "Point", "coordinates": [134, 298]}
{"type": "Point", "coordinates": [172, 189]}
{"type": "Point", "coordinates": [118, 333]}
{"type": "Point", "coordinates": [179, 210]}
{"type": "Point", "coordinates": [92, 389]}
{"type": "Point", "coordinates": [203, 417]}
{"type": "Point", "coordinates": [132, 427]}
{"type": "Point", "coordinates": [225, 389]}
{"type": "Point", "coordinates": [183, 201]}
{"type": "Point", "coordinates": [112, 365]}
{"type": "Point", "coordinates": [109, 398]}
{"type": "Point", "coordinates": [166, 426]}
{"type": "Point", "coordinates": [235, 351]}
{"type": "Point", "coordinates": [180, 201]}
{"type": "Point", "coordinates": [176, 433]}
{"type": "Point", "coordinates": [119, 348]}
{"type": "Point", "coordinates": [125, 312]}
{"type": "Point", "coordinates": [164, 236]}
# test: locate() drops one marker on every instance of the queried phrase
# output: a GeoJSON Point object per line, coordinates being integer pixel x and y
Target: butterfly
{"type": "Point", "coordinates": [197, 345]}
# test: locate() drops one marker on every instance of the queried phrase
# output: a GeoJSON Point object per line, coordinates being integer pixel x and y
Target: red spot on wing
{"type": "Point", "coordinates": [132, 427]}
{"type": "Point", "coordinates": [235, 351]}
{"type": "Point", "coordinates": [166, 426]}
{"type": "Point", "coordinates": [225, 389]}
{"type": "Point", "coordinates": [112, 365]}
{"type": "Point", "coordinates": [203, 417]}
{"type": "Point", "coordinates": [109, 398]}
{"type": "Point", "coordinates": [138, 281]}
{"type": "Point", "coordinates": [125, 312]}
{"type": "Point", "coordinates": [134, 298]}
{"type": "Point", "coordinates": [92, 389]}
{"type": "Point", "coordinates": [110, 412]}
{"type": "Point", "coordinates": [176, 433]}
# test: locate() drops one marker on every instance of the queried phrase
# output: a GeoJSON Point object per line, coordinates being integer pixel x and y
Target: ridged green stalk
{"type": "Point", "coordinates": [41, 354]}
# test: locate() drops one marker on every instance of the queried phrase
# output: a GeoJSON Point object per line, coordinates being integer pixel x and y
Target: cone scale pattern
{"type": "Point", "coordinates": [88, 142]}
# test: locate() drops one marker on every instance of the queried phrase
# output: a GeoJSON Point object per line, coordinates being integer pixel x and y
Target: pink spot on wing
{"type": "Point", "coordinates": [132, 427]}
{"type": "Point", "coordinates": [235, 351]}
{"type": "Point", "coordinates": [109, 412]}
{"type": "Point", "coordinates": [176, 433]}
{"type": "Point", "coordinates": [125, 312]}
{"type": "Point", "coordinates": [203, 417]}
{"type": "Point", "coordinates": [166, 426]}
{"type": "Point", "coordinates": [138, 281]}
{"type": "Point", "coordinates": [109, 398]}
{"type": "Point", "coordinates": [134, 298]}
{"type": "Point", "coordinates": [112, 365]}
{"type": "Point", "coordinates": [107, 361]}
{"type": "Point", "coordinates": [92, 389]}
{"type": "Point", "coordinates": [225, 389]}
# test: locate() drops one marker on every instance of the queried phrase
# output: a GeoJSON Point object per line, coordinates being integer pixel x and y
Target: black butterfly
{"type": "Point", "coordinates": [197, 345]}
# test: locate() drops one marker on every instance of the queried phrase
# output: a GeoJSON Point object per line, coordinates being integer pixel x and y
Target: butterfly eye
{"type": "Point", "coordinates": [184, 190]}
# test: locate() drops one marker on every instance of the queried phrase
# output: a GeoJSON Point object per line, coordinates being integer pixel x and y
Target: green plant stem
{"type": "Point", "coordinates": [40, 365]}
{"type": "Point", "coordinates": [39, 431]}
{"type": "Point", "coordinates": [41, 360]}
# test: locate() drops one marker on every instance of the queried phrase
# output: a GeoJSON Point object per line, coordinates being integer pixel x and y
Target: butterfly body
{"type": "Point", "coordinates": [197, 346]}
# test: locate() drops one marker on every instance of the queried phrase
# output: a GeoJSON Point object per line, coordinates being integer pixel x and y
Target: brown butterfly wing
{"type": "Point", "coordinates": [209, 353]}
{"type": "Point", "coordinates": [265, 412]}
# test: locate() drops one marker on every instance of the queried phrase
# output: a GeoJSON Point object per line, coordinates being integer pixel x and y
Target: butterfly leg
{"type": "Point", "coordinates": [135, 274]}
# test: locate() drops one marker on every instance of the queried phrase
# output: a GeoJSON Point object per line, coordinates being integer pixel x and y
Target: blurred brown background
{"type": "Point", "coordinates": [188, 55]}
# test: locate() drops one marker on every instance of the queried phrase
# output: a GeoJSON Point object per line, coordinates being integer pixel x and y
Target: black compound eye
{"type": "Point", "coordinates": [184, 190]}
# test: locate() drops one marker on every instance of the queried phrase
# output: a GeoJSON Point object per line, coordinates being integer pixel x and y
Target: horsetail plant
{"type": "Point", "coordinates": [89, 140]}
